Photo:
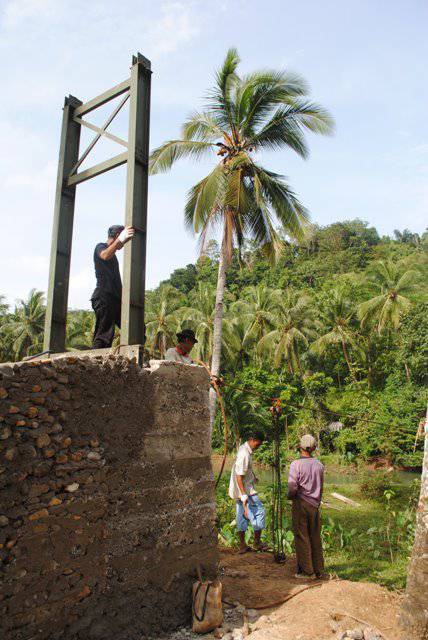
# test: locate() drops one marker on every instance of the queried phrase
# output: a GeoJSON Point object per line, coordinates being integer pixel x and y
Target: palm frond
{"type": "Point", "coordinates": [262, 92]}
{"type": "Point", "coordinates": [285, 128]}
{"type": "Point", "coordinates": [220, 97]}
{"type": "Point", "coordinates": [162, 158]}
{"type": "Point", "coordinates": [293, 216]}
{"type": "Point", "coordinates": [205, 199]}
{"type": "Point", "coordinates": [408, 281]}
{"type": "Point", "coordinates": [261, 89]}
{"type": "Point", "coordinates": [202, 126]}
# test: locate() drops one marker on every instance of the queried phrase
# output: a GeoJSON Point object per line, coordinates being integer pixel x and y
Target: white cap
{"type": "Point", "coordinates": [308, 442]}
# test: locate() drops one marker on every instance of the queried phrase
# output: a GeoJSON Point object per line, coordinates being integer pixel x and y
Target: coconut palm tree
{"type": "Point", "coordinates": [263, 110]}
{"type": "Point", "coordinates": [25, 326]}
{"type": "Point", "coordinates": [242, 410]}
{"type": "Point", "coordinates": [294, 325]}
{"type": "Point", "coordinates": [336, 319]}
{"type": "Point", "coordinates": [80, 329]}
{"type": "Point", "coordinates": [257, 308]}
{"type": "Point", "coordinates": [6, 351]}
{"type": "Point", "coordinates": [163, 319]}
{"type": "Point", "coordinates": [199, 316]}
{"type": "Point", "coordinates": [234, 347]}
{"type": "Point", "coordinates": [4, 307]}
{"type": "Point", "coordinates": [392, 284]}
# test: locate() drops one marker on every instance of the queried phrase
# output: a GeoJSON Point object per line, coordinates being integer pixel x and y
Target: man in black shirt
{"type": "Point", "coordinates": [106, 299]}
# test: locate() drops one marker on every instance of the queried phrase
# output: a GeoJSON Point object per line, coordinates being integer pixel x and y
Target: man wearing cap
{"type": "Point", "coordinates": [107, 297]}
{"type": "Point", "coordinates": [305, 485]}
{"type": "Point", "coordinates": [180, 353]}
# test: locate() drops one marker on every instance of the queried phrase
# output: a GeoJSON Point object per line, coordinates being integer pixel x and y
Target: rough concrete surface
{"type": "Point", "coordinates": [106, 494]}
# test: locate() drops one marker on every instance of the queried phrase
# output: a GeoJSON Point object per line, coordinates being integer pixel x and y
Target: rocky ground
{"type": "Point", "coordinates": [240, 623]}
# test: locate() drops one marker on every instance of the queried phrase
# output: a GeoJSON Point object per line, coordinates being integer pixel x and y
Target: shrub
{"type": "Point", "coordinates": [347, 443]}
{"type": "Point", "coordinates": [374, 485]}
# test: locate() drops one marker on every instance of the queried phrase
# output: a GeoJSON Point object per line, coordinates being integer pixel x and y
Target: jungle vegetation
{"type": "Point", "coordinates": [337, 328]}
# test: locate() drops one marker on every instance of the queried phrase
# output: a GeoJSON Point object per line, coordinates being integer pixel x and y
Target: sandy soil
{"type": "Point", "coordinates": [256, 581]}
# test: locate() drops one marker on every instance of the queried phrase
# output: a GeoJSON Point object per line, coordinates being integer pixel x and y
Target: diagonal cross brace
{"type": "Point", "coordinates": [102, 132]}
{"type": "Point", "coordinates": [99, 134]}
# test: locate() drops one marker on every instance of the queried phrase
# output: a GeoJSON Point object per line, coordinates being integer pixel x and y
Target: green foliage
{"type": "Point", "coordinates": [374, 484]}
{"type": "Point", "coordinates": [413, 344]}
{"type": "Point", "coordinates": [21, 332]}
{"type": "Point", "coordinates": [395, 416]}
{"type": "Point", "coordinates": [371, 543]}
{"type": "Point", "coordinates": [334, 535]}
{"type": "Point", "coordinates": [293, 330]}
{"type": "Point", "coordinates": [347, 444]}
{"type": "Point", "coordinates": [184, 279]}
{"type": "Point", "coordinates": [394, 536]}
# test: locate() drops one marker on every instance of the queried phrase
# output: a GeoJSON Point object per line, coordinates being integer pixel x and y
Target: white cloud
{"type": "Point", "coordinates": [19, 11]}
{"type": "Point", "coordinates": [177, 25]}
{"type": "Point", "coordinates": [38, 180]}
{"type": "Point", "coordinates": [420, 148]}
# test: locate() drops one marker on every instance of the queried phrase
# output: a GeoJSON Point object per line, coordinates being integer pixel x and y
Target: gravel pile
{"type": "Point", "coordinates": [233, 627]}
{"type": "Point", "coordinates": [359, 634]}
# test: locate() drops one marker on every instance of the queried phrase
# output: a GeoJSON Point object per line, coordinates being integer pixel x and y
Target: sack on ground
{"type": "Point", "coordinates": [207, 609]}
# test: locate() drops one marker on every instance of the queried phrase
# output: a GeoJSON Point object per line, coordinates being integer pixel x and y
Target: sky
{"type": "Point", "coordinates": [365, 60]}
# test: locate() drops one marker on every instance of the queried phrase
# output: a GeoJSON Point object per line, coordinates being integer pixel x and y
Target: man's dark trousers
{"type": "Point", "coordinates": [107, 313]}
{"type": "Point", "coordinates": [307, 537]}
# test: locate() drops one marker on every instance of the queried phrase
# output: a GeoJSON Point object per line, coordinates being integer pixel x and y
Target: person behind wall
{"type": "Point", "coordinates": [181, 352]}
{"type": "Point", "coordinates": [305, 487]}
{"type": "Point", "coordinates": [242, 489]}
{"type": "Point", "coordinates": [107, 297]}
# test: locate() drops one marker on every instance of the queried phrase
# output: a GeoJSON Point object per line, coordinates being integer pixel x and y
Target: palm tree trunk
{"type": "Point", "coordinates": [299, 364]}
{"type": "Point", "coordinates": [414, 617]}
{"type": "Point", "coordinates": [406, 367]}
{"type": "Point", "coordinates": [218, 323]}
{"type": "Point", "coordinates": [348, 362]}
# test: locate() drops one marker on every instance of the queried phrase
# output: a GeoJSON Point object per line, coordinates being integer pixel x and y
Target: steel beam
{"type": "Point", "coordinates": [99, 134]}
{"type": "Point", "coordinates": [106, 134]}
{"type": "Point", "coordinates": [98, 169]}
{"type": "Point", "coordinates": [134, 262]}
{"type": "Point", "coordinates": [102, 98]}
{"type": "Point", "coordinates": [62, 233]}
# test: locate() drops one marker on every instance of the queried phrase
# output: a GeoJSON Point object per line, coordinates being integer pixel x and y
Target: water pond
{"type": "Point", "coordinates": [334, 475]}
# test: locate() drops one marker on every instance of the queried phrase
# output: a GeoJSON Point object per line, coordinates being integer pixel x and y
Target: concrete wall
{"type": "Point", "coordinates": [106, 494]}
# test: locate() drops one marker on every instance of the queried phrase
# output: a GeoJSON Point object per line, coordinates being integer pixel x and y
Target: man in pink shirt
{"type": "Point", "coordinates": [305, 485]}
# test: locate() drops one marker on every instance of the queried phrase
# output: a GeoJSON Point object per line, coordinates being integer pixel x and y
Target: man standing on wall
{"type": "Point", "coordinates": [107, 297]}
{"type": "Point", "coordinates": [305, 486]}
{"type": "Point", "coordinates": [180, 353]}
{"type": "Point", "coordinates": [249, 507]}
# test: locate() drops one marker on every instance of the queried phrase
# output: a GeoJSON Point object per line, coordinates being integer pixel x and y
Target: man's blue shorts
{"type": "Point", "coordinates": [256, 514]}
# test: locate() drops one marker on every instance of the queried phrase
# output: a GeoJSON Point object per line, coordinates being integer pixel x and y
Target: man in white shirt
{"type": "Point", "coordinates": [249, 507]}
{"type": "Point", "coordinates": [180, 353]}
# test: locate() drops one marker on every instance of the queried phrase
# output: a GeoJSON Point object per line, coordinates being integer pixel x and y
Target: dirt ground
{"type": "Point", "coordinates": [320, 612]}
{"type": "Point", "coordinates": [255, 580]}
{"type": "Point", "coordinates": [254, 587]}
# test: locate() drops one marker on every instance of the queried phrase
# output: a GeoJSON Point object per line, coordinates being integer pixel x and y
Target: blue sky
{"type": "Point", "coordinates": [364, 60]}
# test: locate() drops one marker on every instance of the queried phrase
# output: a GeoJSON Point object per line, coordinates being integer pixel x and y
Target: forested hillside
{"type": "Point", "coordinates": [338, 328]}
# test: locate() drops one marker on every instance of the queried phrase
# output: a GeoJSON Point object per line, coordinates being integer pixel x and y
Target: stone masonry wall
{"type": "Point", "coordinates": [106, 497]}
